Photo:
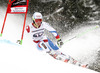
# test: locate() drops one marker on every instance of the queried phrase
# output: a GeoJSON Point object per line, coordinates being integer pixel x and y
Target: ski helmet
{"type": "Point", "coordinates": [37, 16]}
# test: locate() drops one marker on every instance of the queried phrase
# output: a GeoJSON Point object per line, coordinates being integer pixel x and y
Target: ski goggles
{"type": "Point", "coordinates": [38, 20]}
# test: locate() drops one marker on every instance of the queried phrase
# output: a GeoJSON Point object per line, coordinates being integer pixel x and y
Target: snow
{"type": "Point", "coordinates": [84, 47]}
{"type": "Point", "coordinates": [26, 58]}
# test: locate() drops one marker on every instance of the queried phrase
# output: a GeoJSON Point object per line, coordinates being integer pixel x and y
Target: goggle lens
{"type": "Point", "coordinates": [38, 20]}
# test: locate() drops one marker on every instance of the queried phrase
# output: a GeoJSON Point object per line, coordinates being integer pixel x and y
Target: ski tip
{"type": "Point", "coordinates": [85, 66]}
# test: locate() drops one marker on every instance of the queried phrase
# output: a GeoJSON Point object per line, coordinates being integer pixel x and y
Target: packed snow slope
{"type": "Point", "coordinates": [27, 59]}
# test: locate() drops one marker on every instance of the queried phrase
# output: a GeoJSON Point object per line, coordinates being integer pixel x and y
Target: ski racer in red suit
{"type": "Point", "coordinates": [36, 29]}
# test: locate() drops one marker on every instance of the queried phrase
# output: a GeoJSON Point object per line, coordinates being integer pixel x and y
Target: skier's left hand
{"type": "Point", "coordinates": [59, 42]}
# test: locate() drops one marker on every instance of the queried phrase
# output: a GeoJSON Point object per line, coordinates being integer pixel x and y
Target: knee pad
{"type": "Point", "coordinates": [43, 46]}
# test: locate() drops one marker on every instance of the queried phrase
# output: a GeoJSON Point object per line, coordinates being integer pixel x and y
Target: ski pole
{"type": "Point", "coordinates": [81, 34]}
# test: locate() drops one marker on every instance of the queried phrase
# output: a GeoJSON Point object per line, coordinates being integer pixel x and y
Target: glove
{"type": "Point", "coordinates": [59, 42]}
{"type": "Point", "coordinates": [18, 41]}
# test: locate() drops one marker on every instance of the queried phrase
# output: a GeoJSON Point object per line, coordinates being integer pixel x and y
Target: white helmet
{"type": "Point", "coordinates": [37, 15]}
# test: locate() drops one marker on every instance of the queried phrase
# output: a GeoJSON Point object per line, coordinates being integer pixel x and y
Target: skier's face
{"type": "Point", "coordinates": [38, 22]}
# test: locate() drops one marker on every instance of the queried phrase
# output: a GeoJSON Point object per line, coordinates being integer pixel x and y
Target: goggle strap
{"type": "Point", "coordinates": [33, 18]}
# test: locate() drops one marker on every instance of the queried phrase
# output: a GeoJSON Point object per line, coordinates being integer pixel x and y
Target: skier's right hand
{"type": "Point", "coordinates": [59, 42]}
{"type": "Point", "coordinates": [18, 41]}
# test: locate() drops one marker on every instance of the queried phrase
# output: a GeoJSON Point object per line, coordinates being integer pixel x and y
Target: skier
{"type": "Point", "coordinates": [45, 44]}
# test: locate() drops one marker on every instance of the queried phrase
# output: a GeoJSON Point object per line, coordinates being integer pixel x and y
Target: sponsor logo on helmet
{"type": "Point", "coordinates": [38, 16]}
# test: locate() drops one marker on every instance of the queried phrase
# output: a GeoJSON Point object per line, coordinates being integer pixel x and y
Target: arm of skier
{"type": "Point", "coordinates": [28, 29]}
{"type": "Point", "coordinates": [53, 31]}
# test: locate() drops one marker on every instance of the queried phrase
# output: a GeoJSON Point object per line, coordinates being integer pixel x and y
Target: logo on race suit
{"type": "Point", "coordinates": [38, 34]}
